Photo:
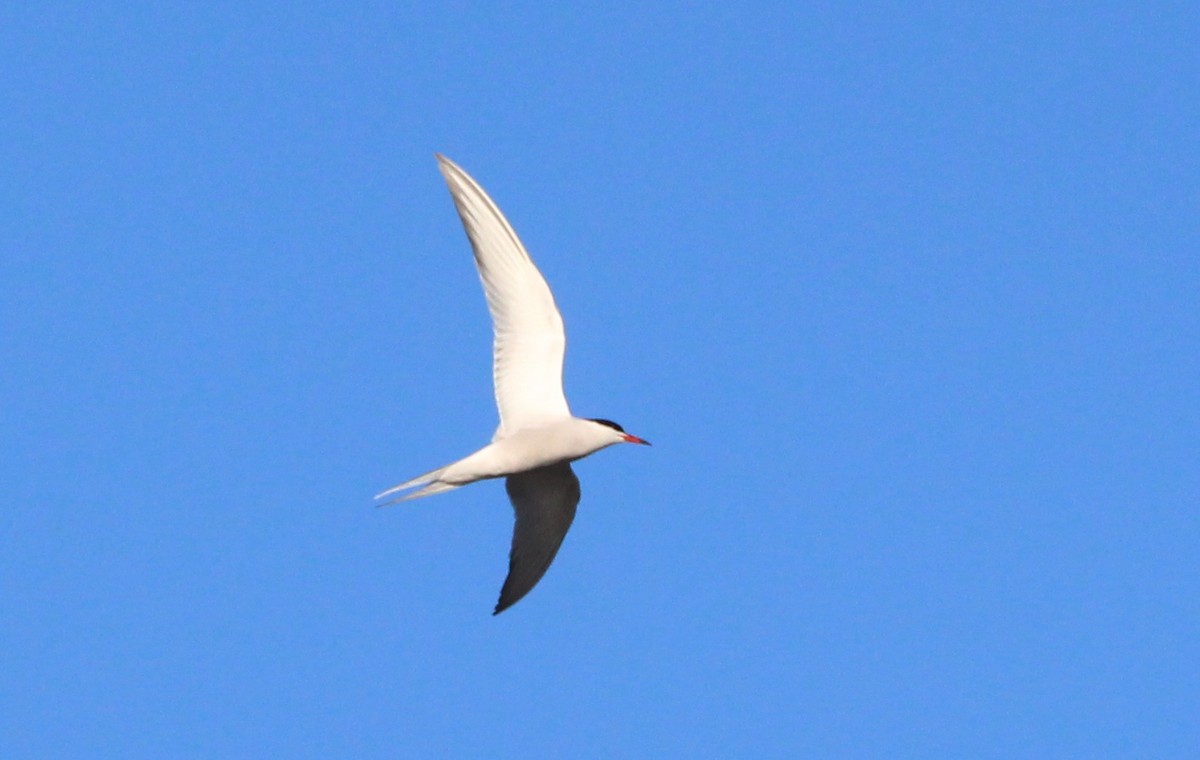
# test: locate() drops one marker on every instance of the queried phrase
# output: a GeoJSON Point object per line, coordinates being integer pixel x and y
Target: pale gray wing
{"type": "Point", "coordinates": [529, 339]}
{"type": "Point", "coordinates": [544, 501]}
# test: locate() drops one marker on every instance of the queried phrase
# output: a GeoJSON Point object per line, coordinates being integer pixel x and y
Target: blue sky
{"type": "Point", "coordinates": [905, 295]}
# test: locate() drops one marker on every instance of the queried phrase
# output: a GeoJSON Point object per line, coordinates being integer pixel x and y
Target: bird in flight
{"type": "Point", "coordinates": [538, 437]}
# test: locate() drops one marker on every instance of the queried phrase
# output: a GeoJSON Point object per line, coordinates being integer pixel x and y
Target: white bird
{"type": "Point", "coordinates": [538, 437]}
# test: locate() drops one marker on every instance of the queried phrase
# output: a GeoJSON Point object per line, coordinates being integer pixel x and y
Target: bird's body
{"type": "Point", "coordinates": [564, 440]}
{"type": "Point", "coordinates": [538, 437]}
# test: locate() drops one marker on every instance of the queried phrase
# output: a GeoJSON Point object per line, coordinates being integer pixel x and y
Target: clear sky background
{"type": "Point", "coordinates": [904, 294]}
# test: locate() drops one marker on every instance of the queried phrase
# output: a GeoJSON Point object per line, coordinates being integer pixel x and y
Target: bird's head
{"type": "Point", "coordinates": [618, 433]}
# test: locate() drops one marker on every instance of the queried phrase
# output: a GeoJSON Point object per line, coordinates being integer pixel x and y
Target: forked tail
{"type": "Point", "coordinates": [429, 480]}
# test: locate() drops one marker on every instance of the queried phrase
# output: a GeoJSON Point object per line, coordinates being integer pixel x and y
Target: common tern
{"type": "Point", "coordinates": [538, 437]}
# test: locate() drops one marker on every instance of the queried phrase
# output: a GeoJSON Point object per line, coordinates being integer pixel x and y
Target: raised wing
{"type": "Point", "coordinates": [544, 501]}
{"type": "Point", "coordinates": [529, 340]}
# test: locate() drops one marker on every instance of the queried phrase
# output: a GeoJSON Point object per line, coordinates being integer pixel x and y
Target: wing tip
{"type": "Point", "coordinates": [445, 165]}
{"type": "Point", "coordinates": [506, 599]}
